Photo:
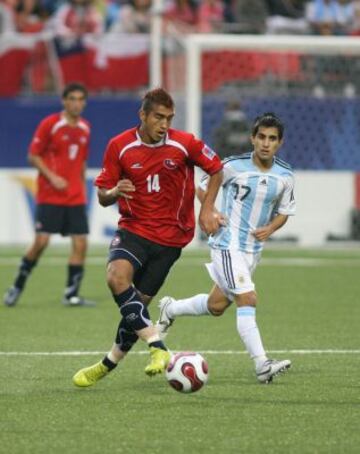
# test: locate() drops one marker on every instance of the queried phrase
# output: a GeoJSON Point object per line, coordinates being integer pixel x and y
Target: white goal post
{"type": "Point", "coordinates": [195, 45]}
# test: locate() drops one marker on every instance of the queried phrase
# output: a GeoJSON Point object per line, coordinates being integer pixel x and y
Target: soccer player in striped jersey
{"type": "Point", "coordinates": [258, 197]}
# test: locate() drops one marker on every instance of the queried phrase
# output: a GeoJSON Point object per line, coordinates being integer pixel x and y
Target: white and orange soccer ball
{"type": "Point", "coordinates": [187, 372]}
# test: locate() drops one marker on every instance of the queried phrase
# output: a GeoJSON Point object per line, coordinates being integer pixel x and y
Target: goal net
{"type": "Point", "coordinates": [222, 82]}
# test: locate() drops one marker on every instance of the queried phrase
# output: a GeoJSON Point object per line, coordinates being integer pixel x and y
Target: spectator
{"type": "Point", "coordinates": [286, 17]}
{"type": "Point", "coordinates": [28, 16]}
{"type": "Point", "coordinates": [134, 18]}
{"type": "Point", "coordinates": [113, 11]}
{"type": "Point", "coordinates": [210, 16]}
{"type": "Point", "coordinates": [249, 16]}
{"type": "Point", "coordinates": [355, 26]}
{"type": "Point", "coordinates": [76, 18]}
{"type": "Point", "coordinates": [183, 14]}
{"type": "Point", "coordinates": [228, 11]}
{"type": "Point", "coordinates": [50, 6]}
{"type": "Point", "coordinates": [330, 17]}
{"type": "Point", "coordinates": [8, 16]}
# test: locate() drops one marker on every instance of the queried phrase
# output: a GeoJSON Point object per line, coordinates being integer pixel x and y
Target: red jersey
{"type": "Point", "coordinates": [64, 150]}
{"type": "Point", "coordinates": [162, 208]}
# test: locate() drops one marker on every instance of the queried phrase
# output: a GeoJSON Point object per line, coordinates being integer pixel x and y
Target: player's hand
{"type": "Point", "coordinates": [59, 183]}
{"type": "Point", "coordinates": [211, 220]}
{"type": "Point", "coordinates": [262, 233]}
{"type": "Point", "coordinates": [124, 188]}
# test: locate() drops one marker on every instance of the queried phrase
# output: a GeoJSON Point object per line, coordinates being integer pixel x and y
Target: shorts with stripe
{"type": "Point", "coordinates": [151, 261]}
{"type": "Point", "coordinates": [232, 271]}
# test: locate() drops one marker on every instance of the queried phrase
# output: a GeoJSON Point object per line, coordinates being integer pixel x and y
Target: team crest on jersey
{"type": "Point", "coordinates": [65, 137]}
{"type": "Point", "coordinates": [116, 241]}
{"type": "Point", "coordinates": [208, 152]}
{"type": "Point", "coordinates": [83, 139]}
{"type": "Point", "coordinates": [170, 164]}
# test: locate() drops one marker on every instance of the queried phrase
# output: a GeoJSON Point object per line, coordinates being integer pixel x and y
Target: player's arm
{"type": "Point", "coordinates": [285, 209]}
{"type": "Point", "coordinates": [204, 157]}
{"type": "Point", "coordinates": [264, 232]}
{"type": "Point", "coordinates": [123, 188]}
{"type": "Point", "coordinates": [201, 191]}
{"type": "Point", "coordinates": [208, 218]}
{"type": "Point", "coordinates": [55, 180]}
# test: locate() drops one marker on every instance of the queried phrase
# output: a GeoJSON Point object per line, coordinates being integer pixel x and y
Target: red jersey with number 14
{"type": "Point", "coordinates": [162, 207]}
{"type": "Point", "coordinates": [64, 150]}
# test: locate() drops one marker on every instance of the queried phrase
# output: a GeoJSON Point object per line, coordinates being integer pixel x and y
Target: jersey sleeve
{"type": "Point", "coordinates": [40, 138]}
{"type": "Point", "coordinates": [203, 156]}
{"type": "Point", "coordinates": [228, 174]}
{"type": "Point", "coordinates": [111, 170]}
{"type": "Point", "coordinates": [287, 204]}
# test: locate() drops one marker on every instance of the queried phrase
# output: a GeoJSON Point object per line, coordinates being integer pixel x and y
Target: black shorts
{"type": "Point", "coordinates": [66, 220]}
{"type": "Point", "coordinates": [151, 261]}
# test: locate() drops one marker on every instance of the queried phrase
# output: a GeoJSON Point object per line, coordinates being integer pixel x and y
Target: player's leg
{"type": "Point", "coordinates": [119, 278]}
{"type": "Point", "coordinates": [75, 273]}
{"type": "Point", "coordinates": [128, 254]}
{"type": "Point", "coordinates": [245, 298]}
{"type": "Point", "coordinates": [249, 332]}
{"type": "Point", "coordinates": [215, 303]}
{"type": "Point", "coordinates": [149, 282]}
{"type": "Point", "coordinates": [44, 225]}
{"type": "Point", "coordinates": [75, 225]}
{"type": "Point", "coordinates": [27, 264]}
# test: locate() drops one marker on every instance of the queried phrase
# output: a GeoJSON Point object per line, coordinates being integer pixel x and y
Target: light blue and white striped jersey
{"type": "Point", "coordinates": [250, 199]}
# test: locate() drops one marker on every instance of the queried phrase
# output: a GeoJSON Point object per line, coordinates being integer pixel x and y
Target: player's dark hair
{"type": "Point", "coordinates": [157, 96]}
{"type": "Point", "coordinates": [74, 86]}
{"type": "Point", "coordinates": [268, 120]}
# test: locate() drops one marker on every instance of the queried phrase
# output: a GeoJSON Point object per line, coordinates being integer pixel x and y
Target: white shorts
{"type": "Point", "coordinates": [232, 271]}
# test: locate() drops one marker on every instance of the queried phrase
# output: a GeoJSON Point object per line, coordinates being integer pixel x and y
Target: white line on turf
{"type": "Point", "coordinates": [205, 352]}
{"type": "Point", "coordinates": [280, 261]}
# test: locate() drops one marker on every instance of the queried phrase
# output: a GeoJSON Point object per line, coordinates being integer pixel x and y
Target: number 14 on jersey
{"type": "Point", "coordinates": [153, 183]}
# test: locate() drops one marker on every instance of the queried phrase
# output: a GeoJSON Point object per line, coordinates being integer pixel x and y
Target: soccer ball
{"type": "Point", "coordinates": [187, 372]}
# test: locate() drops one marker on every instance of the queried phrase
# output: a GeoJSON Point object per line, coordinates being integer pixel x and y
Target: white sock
{"type": "Point", "coordinates": [250, 335]}
{"type": "Point", "coordinates": [196, 305]}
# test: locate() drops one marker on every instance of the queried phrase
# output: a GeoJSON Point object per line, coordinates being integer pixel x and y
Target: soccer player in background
{"type": "Point", "coordinates": [59, 151]}
{"type": "Point", "coordinates": [149, 172]}
{"type": "Point", "coordinates": [257, 200]}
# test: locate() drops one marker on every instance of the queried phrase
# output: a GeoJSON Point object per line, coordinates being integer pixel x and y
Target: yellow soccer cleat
{"type": "Point", "coordinates": [90, 375]}
{"type": "Point", "coordinates": [159, 359]}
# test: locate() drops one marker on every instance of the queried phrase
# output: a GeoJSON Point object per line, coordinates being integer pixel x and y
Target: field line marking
{"type": "Point", "coordinates": [280, 261]}
{"type": "Point", "coordinates": [205, 352]}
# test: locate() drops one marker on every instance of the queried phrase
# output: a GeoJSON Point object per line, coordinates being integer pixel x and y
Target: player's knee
{"type": "Point", "coordinates": [217, 309]}
{"type": "Point", "coordinates": [246, 299]}
{"type": "Point", "coordinates": [216, 312]}
{"type": "Point", "coordinates": [116, 281]}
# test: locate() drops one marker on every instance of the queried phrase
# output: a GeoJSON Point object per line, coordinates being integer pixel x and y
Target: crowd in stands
{"type": "Point", "coordinates": [77, 17]}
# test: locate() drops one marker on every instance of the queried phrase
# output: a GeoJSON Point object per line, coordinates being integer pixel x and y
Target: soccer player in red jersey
{"type": "Point", "coordinates": [149, 172]}
{"type": "Point", "coordinates": [59, 150]}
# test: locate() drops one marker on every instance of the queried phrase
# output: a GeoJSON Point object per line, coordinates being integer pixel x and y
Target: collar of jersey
{"type": "Point", "coordinates": [258, 168]}
{"type": "Point", "coordinates": [152, 145]}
